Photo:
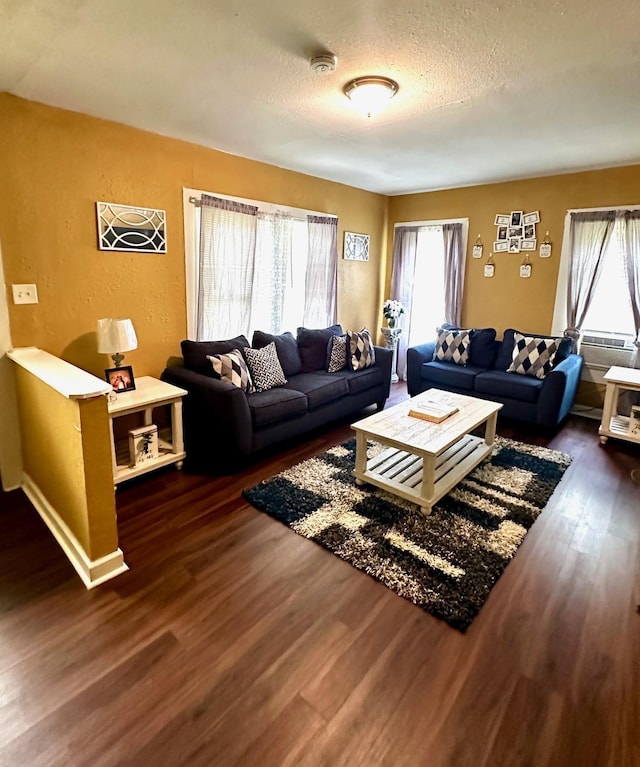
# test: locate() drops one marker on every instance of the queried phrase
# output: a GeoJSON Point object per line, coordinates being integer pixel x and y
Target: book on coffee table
{"type": "Point", "coordinates": [436, 412]}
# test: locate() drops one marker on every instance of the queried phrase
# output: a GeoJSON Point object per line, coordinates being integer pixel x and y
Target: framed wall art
{"type": "Point", "coordinates": [130, 229]}
{"type": "Point", "coordinates": [356, 246]}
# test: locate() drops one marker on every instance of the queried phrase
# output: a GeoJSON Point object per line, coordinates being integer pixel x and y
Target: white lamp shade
{"type": "Point", "coordinates": [116, 335]}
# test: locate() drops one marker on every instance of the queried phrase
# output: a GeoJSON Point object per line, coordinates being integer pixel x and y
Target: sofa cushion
{"type": "Point", "coordinates": [273, 405]}
{"type": "Point", "coordinates": [361, 353]}
{"type": "Point", "coordinates": [265, 368]}
{"type": "Point", "coordinates": [505, 355]}
{"type": "Point", "coordinates": [286, 347]}
{"type": "Point", "coordinates": [232, 367]}
{"type": "Point", "coordinates": [336, 354]}
{"type": "Point", "coordinates": [312, 346]}
{"type": "Point", "coordinates": [502, 386]}
{"type": "Point", "coordinates": [452, 346]}
{"type": "Point", "coordinates": [361, 380]}
{"type": "Point", "coordinates": [195, 353]}
{"type": "Point", "coordinates": [482, 348]}
{"type": "Point", "coordinates": [532, 356]}
{"type": "Point", "coordinates": [448, 374]}
{"type": "Point", "coordinates": [319, 388]}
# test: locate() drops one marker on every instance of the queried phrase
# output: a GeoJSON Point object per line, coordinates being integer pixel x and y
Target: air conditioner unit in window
{"type": "Point", "coordinates": [609, 342]}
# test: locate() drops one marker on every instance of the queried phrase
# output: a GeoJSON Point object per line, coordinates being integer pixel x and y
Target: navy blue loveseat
{"type": "Point", "coordinates": [543, 401]}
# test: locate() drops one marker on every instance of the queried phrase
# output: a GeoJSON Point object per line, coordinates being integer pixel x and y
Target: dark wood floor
{"type": "Point", "coordinates": [232, 641]}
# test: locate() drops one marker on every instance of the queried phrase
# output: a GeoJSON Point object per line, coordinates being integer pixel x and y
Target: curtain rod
{"type": "Point", "coordinates": [197, 202]}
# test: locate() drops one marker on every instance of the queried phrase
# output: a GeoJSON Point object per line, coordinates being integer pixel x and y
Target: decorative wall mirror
{"type": "Point", "coordinates": [125, 228]}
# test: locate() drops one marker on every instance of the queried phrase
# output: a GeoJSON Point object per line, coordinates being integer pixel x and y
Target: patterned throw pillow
{"type": "Point", "coordinates": [361, 352]}
{"type": "Point", "coordinates": [532, 356]}
{"type": "Point", "coordinates": [265, 367]}
{"type": "Point", "coordinates": [336, 354]}
{"type": "Point", "coordinates": [453, 346]}
{"type": "Point", "coordinates": [231, 367]}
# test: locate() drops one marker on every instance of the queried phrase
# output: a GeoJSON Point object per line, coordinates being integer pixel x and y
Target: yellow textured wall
{"type": "Point", "coordinates": [507, 300]}
{"type": "Point", "coordinates": [66, 452]}
{"type": "Point", "coordinates": [56, 164]}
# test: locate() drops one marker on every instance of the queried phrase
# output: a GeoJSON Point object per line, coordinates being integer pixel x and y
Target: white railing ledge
{"type": "Point", "coordinates": [65, 378]}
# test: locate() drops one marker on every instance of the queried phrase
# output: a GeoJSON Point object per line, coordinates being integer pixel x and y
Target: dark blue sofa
{"type": "Point", "coordinates": [540, 401]}
{"type": "Point", "coordinates": [224, 426]}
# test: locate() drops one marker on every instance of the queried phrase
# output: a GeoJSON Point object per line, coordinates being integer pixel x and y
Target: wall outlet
{"type": "Point", "coordinates": [25, 294]}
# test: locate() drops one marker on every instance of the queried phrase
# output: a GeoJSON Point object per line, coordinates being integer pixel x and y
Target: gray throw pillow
{"type": "Point", "coordinates": [286, 346]}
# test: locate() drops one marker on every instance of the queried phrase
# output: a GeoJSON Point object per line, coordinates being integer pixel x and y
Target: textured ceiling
{"type": "Point", "coordinates": [489, 91]}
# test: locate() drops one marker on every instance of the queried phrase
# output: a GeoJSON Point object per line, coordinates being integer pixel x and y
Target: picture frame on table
{"type": "Point", "coordinates": [121, 379]}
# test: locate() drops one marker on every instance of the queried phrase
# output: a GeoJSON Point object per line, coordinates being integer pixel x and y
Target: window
{"type": "Point", "coordinates": [428, 310]}
{"type": "Point", "coordinates": [597, 289]}
{"type": "Point", "coordinates": [254, 266]}
{"type": "Point", "coordinates": [609, 314]}
{"type": "Point", "coordinates": [427, 277]}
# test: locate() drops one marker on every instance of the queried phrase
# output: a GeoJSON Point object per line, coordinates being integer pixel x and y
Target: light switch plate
{"type": "Point", "coordinates": [25, 294]}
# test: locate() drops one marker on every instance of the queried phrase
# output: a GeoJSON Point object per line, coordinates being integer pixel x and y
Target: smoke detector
{"type": "Point", "coordinates": [324, 63]}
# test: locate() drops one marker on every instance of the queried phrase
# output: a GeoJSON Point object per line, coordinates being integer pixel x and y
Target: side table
{"type": "Point", "coordinates": [149, 393]}
{"type": "Point", "coordinates": [391, 336]}
{"type": "Point", "coordinates": [618, 380]}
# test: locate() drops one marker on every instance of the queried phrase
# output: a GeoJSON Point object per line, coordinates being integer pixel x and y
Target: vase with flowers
{"type": "Point", "coordinates": [392, 309]}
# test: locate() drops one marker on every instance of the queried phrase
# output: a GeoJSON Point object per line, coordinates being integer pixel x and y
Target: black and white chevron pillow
{"type": "Point", "coordinates": [231, 367]}
{"type": "Point", "coordinates": [532, 356]}
{"type": "Point", "coordinates": [264, 366]}
{"type": "Point", "coordinates": [453, 346]}
{"type": "Point", "coordinates": [361, 352]}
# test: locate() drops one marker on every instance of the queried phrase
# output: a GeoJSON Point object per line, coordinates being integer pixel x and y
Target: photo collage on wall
{"type": "Point", "coordinates": [516, 232]}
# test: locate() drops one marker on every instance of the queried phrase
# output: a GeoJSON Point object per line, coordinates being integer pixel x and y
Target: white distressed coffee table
{"type": "Point", "coordinates": [424, 460]}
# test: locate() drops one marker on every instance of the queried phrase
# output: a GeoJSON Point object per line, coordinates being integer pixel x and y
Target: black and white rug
{"type": "Point", "coordinates": [447, 562]}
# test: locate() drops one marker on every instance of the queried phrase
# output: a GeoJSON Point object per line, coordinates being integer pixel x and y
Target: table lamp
{"type": "Point", "coordinates": [116, 336]}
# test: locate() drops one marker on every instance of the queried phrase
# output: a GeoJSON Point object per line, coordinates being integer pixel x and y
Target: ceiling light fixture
{"type": "Point", "coordinates": [371, 94]}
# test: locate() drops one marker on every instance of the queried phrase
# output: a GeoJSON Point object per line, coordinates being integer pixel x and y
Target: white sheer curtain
{"type": "Point", "coordinates": [226, 268]}
{"type": "Point", "coordinates": [418, 280]}
{"type": "Point", "coordinates": [263, 270]}
{"type": "Point", "coordinates": [590, 233]}
{"type": "Point", "coordinates": [272, 265]}
{"type": "Point", "coordinates": [405, 246]}
{"type": "Point", "coordinates": [322, 272]}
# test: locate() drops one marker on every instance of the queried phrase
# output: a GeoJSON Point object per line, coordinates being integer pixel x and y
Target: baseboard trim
{"type": "Point", "coordinates": [93, 572]}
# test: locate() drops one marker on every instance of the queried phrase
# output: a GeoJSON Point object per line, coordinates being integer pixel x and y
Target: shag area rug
{"type": "Point", "coordinates": [447, 562]}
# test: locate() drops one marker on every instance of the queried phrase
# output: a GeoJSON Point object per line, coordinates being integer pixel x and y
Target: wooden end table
{"type": "Point", "coordinates": [618, 380]}
{"type": "Point", "coordinates": [149, 393]}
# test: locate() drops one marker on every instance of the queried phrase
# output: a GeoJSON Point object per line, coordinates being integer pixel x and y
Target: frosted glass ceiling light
{"type": "Point", "coordinates": [371, 94]}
